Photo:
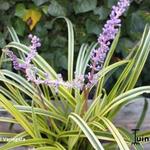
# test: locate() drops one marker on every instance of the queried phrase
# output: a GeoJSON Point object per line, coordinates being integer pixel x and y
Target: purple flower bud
{"type": "Point", "coordinates": [33, 48]}
{"type": "Point", "coordinates": [38, 44]}
{"type": "Point", "coordinates": [30, 36]}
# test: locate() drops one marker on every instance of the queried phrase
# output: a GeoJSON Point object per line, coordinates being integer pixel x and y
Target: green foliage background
{"type": "Point", "coordinates": [87, 16]}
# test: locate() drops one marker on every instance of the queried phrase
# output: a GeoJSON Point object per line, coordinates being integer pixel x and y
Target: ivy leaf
{"type": "Point", "coordinates": [110, 3]}
{"type": "Point", "coordinates": [124, 46]}
{"type": "Point", "coordinates": [45, 9]}
{"type": "Point", "coordinates": [92, 27]}
{"type": "Point", "coordinates": [146, 16]}
{"type": "Point", "coordinates": [81, 6]}
{"type": "Point", "coordinates": [39, 2]}
{"type": "Point", "coordinates": [19, 27]}
{"type": "Point", "coordinates": [31, 17]}
{"type": "Point", "coordinates": [135, 25]}
{"type": "Point", "coordinates": [20, 10]}
{"type": "Point", "coordinates": [59, 41]}
{"type": "Point", "coordinates": [102, 12]}
{"type": "Point", "coordinates": [138, 1]}
{"type": "Point", "coordinates": [49, 57]}
{"type": "Point", "coordinates": [55, 9]}
{"type": "Point", "coordinates": [4, 6]}
{"type": "Point", "coordinates": [62, 61]}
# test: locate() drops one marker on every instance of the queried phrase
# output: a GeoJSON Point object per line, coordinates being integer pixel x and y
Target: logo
{"type": "Point", "coordinates": [138, 139]}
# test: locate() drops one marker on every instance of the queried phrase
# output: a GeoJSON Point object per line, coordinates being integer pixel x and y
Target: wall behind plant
{"type": "Point", "coordinates": [87, 16]}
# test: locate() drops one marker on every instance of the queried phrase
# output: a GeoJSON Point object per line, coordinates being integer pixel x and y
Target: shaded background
{"type": "Point", "coordinates": [87, 16]}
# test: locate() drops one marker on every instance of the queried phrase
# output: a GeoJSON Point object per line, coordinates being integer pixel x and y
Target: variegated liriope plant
{"type": "Point", "coordinates": [55, 114]}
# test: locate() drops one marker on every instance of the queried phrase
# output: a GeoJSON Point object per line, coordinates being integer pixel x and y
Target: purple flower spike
{"type": "Point", "coordinates": [108, 34]}
{"type": "Point", "coordinates": [35, 43]}
{"type": "Point", "coordinates": [33, 48]}
{"type": "Point", "coordinates": [14, 59]}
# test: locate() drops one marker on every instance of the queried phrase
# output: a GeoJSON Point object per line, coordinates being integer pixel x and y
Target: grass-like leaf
{"type": "Point", "coordinates": [87, 131]}
{"type": "Point", "coordinates": [118, 137]}
{"type": "Point", "coordinates": [16, 114]}
{"type": "Point", "coordinates": [28, 142]}
{"type": "Point", "coordinates": [125, 98]}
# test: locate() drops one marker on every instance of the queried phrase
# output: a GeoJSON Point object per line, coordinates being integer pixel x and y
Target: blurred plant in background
{"type": "Point", "coordinates": [87, 16]}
